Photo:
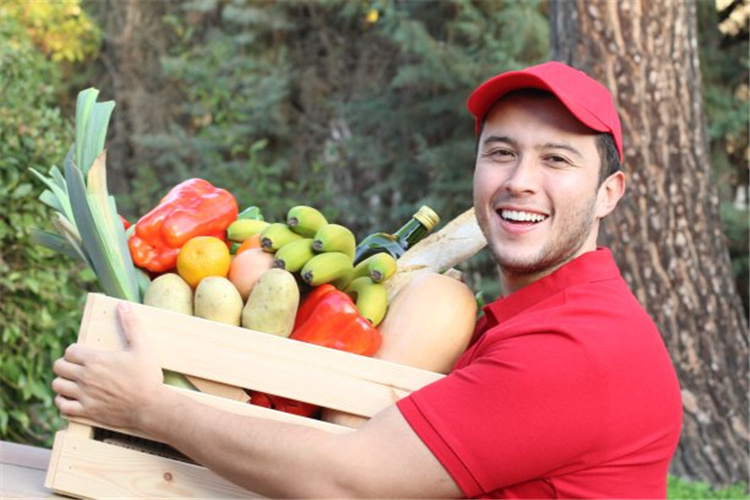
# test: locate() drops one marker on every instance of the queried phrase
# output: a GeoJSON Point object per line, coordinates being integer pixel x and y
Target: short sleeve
{"type": "Point", "coordinates": [524, 408]}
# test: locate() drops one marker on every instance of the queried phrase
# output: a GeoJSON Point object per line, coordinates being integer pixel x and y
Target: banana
{"type": "Point", "coordinates": [328, 267]}
{"type": "Point", "coordinates": [242, 229]}
{"type": "Point", "coordinates": [379, 267]}
{"type": "Point", "coordinates": [294, 255]}
{"type": "Point", "coordinates": [277, 235]}
{"type": "Point", "coordinates": [371, 298]}
{"type": "Point", "coordinates": [305, 220]}
{"type": "Point", "coordinates": [335, 238]}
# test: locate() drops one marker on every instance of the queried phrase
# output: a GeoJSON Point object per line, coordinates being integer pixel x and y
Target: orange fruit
{"type": "Point", "coordinates": [201, 257]}
{"type": "Point", "coordinates": [252, 242]}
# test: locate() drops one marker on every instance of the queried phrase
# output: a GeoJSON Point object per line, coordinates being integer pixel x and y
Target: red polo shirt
{"type": "Point", "coordinates": [567, 392]}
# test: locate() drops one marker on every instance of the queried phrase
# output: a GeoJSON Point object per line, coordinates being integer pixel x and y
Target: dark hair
{"type": "Point", "coordinates": [605, 145]}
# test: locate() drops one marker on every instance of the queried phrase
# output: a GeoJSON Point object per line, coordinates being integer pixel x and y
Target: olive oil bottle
{"type": "Point", "coordinates": [419, 226]}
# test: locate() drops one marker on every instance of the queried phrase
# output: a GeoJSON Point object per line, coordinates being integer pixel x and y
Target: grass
{"type": "Point", "coordinates": [691, 490]}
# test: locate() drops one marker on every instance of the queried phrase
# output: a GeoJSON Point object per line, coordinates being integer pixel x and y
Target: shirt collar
{"type": "Point", "coordinates": [590, 267]}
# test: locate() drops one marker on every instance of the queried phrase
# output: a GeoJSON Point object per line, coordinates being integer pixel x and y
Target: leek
{"type": "Point", "coordinates": [87, 222]}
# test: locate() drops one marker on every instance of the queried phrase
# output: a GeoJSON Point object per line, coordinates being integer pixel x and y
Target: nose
{"type": "Point", "coordinates": [522, 177]}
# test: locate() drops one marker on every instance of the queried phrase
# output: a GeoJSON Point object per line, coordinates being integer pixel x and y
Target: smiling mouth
{"type": "Point", "coordinates": [521, 217]}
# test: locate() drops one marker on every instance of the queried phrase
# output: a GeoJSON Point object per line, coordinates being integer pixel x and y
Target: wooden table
{"type": "Point", "coordinates": [22, 471]}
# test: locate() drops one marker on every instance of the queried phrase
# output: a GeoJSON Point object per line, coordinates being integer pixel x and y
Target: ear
{"type": "Point", "coordinates": [609, 194]}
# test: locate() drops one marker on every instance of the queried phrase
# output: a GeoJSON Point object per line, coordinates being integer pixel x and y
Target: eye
{"type": "Point", "coordinates": [500, 153]}
{"type": "Point", "coordinates": [557, 160]}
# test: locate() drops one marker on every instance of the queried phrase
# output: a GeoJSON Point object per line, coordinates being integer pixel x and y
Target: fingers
{"type": "Point", "coordinates": [131, 325]}
{"type": "Point", "coordinates": [79, 354]}
{"type": "Point", "coordinates": [65, 369]}
{"type": "Point", "coordinates": [66, 388]}
{"type": "Point", "coordinates": [69, 407]}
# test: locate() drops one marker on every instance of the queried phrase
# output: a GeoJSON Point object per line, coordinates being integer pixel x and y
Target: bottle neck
{"type": "Point", "coordinates": [411, 232]}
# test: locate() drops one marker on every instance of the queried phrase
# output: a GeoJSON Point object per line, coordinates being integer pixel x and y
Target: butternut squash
{"type": "Point", "coordinates": [428, 325]}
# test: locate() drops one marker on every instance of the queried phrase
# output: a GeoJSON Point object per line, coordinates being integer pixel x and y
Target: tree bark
{"type": "Point", "coordinates": [135, 40]}
{"type": "Point", "coordinates": [666, 233]}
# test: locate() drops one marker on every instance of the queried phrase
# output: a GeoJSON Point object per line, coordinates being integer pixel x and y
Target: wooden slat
{"type": "Point", "coordinates": [233, 407]}
{"type": "Point", "coordinates": [93, 469]}
{"type": "Point", "coordinates": [244, 358]}
{"type": "Point", "coordinates": [54, 460]}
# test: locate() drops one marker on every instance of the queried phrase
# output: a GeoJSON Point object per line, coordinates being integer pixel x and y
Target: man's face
{"type": "Point", "coordinates": [535, 187]}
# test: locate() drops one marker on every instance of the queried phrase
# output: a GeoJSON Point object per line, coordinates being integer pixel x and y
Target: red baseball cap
{"type": "Point", "coordinates": [587, 99]}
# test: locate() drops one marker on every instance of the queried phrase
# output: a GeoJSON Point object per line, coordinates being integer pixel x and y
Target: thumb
{"type": "Point", "coordinates": [131, 326]}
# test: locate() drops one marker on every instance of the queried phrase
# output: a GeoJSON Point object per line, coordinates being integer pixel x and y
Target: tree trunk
{"type": "Point", "coordinates": [666, 232]}
{"type": "Point", "coordinates": [135, 39]}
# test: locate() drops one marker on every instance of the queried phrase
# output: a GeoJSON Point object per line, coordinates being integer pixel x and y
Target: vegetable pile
{"type": "Point", "coordinates": [196, 253]}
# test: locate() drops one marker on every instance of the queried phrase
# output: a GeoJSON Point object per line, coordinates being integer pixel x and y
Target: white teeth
{"type": "Point", "coordinates": [515, 215]}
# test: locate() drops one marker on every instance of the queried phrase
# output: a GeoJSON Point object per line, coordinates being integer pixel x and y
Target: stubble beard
{"type": "Point", "coordinates": [554, 253]}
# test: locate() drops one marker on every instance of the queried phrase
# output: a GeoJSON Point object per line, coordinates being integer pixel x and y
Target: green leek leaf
{"type": "Point", "coordinates": [123, 253]}
{"type": "Point", "coordinates": [126, 281]}
{"type": "Point", "coordinates": [104, 208]}
{"type": "Point", "coordinates": [96, 133]}
{"type": "Point", "coordinates": [65, 228]}
{"type": "Point", "coordinates": [85, 102]}
{"type": "Point", "coordinates": [54, 242]}
{"type": "Point", "coordinates": [59, 191]}
{"type": "Point", "coordinates": [144, 280]}
{"type": "Point", "coordinates": [94, 243]}
{"type": "Point", "coordinates": [57, 176]}
{"type": "Point", "coordinates": [51, 201]}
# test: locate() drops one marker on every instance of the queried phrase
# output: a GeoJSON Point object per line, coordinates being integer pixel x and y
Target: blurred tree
{"type": "Point", "coordinates": [334, 103]}
{"type": "Point", "coordinates": [128, 71]}
{"type": "Point", "coordinates": [667, 233]}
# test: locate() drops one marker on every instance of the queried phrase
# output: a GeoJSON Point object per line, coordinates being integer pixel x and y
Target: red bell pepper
{"type": "Point", "coordinates": [191, 208]}
{"type": "Point", "coordinates": [283, 404]}
{"type": "Point", "coordinates": [328, 317]}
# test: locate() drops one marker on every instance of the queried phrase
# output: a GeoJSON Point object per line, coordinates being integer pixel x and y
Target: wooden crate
{"type": "Point", "coordinates": [91, 461]}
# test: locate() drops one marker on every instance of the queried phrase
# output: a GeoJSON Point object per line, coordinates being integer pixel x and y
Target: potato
{"type": "Point", "coordinates": [217, 299]}
{"type": "Point", "coordinates": [272, 305]}
{"type": "Point", "coordinates": [169, 291]}
{"type": "Point", "coordinates": [247, 267]}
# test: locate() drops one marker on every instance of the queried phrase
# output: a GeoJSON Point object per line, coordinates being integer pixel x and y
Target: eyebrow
{"type": "Point", "coordinates": [495, 138]}
{"type": "Point", "coordinates": [562, 145]}
{"type": "Point", "coordinates": [548, 145]}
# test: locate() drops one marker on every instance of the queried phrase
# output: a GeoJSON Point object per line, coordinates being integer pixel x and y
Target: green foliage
{"type": "Point", "coordinates": [232, 125]}
{"type": "Point", "coordinates": [336, 103]}
{"type": "Point", "coordinates": [724, 67]}
{"type": "Point", "coordinates": [41, 291]}
{"type": "Point", "coordinates": [61, 30]}
{"type": "Point", "coordinates": [412, 139]}
{"type": "Point", "coordinates": [679, 489]}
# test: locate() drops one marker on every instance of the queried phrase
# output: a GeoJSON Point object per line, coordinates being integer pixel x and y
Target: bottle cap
{"type": "Point", "coordinates": [427, 217]}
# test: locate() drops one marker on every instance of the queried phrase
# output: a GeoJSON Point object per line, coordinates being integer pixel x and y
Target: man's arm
{"type": "Point", "coordinates": [384, 458]}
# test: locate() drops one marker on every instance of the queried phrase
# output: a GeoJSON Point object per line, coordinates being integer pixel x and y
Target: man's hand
{"type": "Point", "coordinates": [112, 388]}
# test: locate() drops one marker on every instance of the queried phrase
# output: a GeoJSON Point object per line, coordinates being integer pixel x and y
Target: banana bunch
{"type": "Point", "coordinates": [307, 244]}
{"type": "Point", "coordinates": [318, 251]}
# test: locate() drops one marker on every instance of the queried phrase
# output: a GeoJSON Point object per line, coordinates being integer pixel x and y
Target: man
{"type": "Point", "coordinates": [566, 392]}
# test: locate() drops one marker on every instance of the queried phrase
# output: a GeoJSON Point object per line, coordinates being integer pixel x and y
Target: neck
{"type": "Point", "coordinates": [511, 282]}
